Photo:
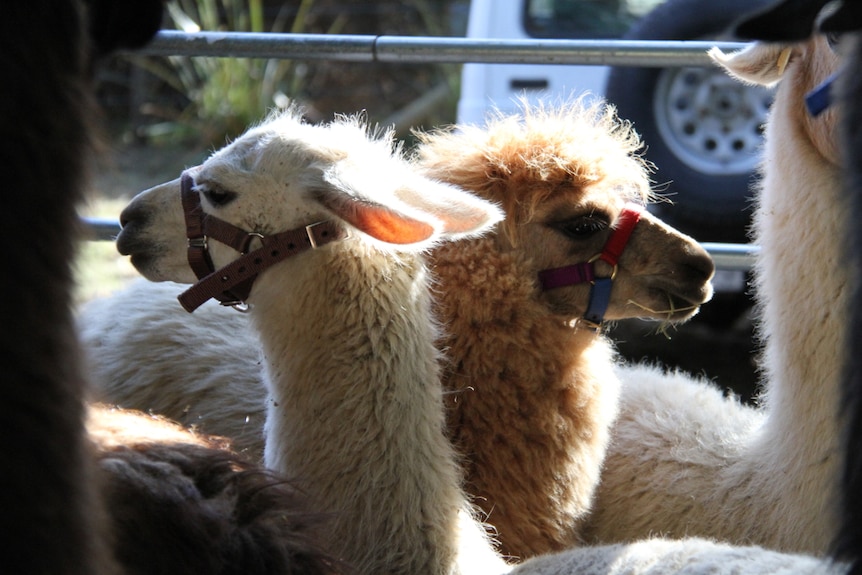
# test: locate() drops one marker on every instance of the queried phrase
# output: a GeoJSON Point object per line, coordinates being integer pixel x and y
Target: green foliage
{"type": "Point", "coordinates": [224, 95]}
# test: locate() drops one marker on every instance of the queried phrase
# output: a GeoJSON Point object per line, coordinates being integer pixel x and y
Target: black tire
{"type": "Point", "coordinates": [711, 202]}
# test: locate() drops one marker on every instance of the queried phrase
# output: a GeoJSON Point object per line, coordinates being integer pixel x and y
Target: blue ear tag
{"type": "Point", "coordinates": [820, 97]}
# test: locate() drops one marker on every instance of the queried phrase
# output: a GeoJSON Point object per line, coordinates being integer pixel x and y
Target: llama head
{"type": "Point", "coordinates": [564, 174]}
{"type": "Point", "coordinates": [285, 174]}
{"type": "Point", "coordinates": [800, 67]}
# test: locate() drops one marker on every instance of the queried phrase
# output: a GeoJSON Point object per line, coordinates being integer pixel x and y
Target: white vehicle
{"type": "Point", "coordinates": [702, 129]}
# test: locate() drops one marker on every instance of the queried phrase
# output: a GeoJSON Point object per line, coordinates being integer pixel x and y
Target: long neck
{"type": "Point", "coordinates": [524, 379]}
{"type": "Point", "coordinates": [802, 290]}
{"type": "Point", "coordinates": [355, 409]}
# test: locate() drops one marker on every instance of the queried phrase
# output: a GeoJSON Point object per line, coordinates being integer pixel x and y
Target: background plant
{"type": "Point", "coordinates": [224, 95]}
{"type": "Point", "coordinates": [210, 99]}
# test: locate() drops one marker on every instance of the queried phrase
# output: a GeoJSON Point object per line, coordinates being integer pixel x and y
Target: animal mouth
{"type": "Point", "coordinates": [673, 304]}
{"type": "Point", "coordinates": [141, 252]}
{"type": "Point", "coordinates": [127, 244]}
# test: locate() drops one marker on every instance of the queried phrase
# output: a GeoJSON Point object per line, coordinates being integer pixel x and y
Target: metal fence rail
{"type": "Point", "coordinates": [437, 50]}
{"type": "Point", "coordinates": [440, 50]}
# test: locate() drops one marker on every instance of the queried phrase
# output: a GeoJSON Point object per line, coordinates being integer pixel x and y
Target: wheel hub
{"type": "Point", "coordinates": [709, 121]}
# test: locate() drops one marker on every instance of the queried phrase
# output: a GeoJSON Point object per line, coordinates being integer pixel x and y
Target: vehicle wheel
{"type": "Point", "coordinates": [702, 129]}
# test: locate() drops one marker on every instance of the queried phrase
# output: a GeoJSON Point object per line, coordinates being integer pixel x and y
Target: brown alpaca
{"type": "Point", "coordinates": [223, 514]}
{"type": "Point", "coordinates": [532, 392]}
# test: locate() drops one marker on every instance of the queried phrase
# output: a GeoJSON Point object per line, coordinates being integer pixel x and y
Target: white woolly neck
{"type": "Point", "coordinates": [355, 408]}
{"type": "Point", "coordinates": [801, 286]}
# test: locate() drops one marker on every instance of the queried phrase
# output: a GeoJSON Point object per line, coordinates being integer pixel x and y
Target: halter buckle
{"type": "Point", "coordinates": [200, 242]}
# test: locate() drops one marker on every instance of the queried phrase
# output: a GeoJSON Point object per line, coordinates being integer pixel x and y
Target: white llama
{"type": "Point", "coordinates": [346, 329]}
{"type": "Point", "coordinates": [540, 382]}
{"type": "Point", "coordinates": [793, 21]}
{"type": "Point", "coordinates": [357, 410]}
{"type": "Point", "coordinates": [685, 460]}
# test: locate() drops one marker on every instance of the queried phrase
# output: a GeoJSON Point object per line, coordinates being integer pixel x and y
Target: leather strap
{"type": "Point", "coordinates": [245, 269]}
{"type": "Point", "coordinates": [231, 285]}
{"type": "Point", "coordinates": [197, 252]}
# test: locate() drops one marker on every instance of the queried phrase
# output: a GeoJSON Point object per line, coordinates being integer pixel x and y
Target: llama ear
{"type": "Point", "coordinates": [760, 63]}
{"type": "Point", "coordinates": [459, 212]}
{"type": "Point", "coordinates": [376, 220]}
{"type": "Point", "coordinates": [414, 210]}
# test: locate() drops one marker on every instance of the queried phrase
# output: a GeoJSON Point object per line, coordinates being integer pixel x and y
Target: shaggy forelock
{"type": "Point", "coordinates": [520, 160]}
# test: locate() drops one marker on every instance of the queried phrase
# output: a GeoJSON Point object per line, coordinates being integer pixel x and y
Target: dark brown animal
{"type": "Point", "coordinates": [151, 497]}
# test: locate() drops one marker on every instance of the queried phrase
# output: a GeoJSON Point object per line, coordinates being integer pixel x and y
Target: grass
{"type": "Point", "coordinates": [99, 269]}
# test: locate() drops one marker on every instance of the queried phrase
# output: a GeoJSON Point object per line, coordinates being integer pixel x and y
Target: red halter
{"type": "Point", "coordinates": [600, 293]}
{"type": "Point", "coordinates": [232, 284]}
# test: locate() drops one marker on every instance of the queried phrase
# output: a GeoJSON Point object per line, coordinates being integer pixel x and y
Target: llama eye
{"type": "Point", "coordinates": [833, 39]}
{"type": "Point", "coordinates": [582, 227]}
{"type": "Point", "coordinates": [219, 198]}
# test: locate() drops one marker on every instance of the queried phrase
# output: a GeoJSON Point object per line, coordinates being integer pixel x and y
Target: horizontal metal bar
{"type": "Point", "coordinates": [581, 52]}
{"type": "Point", "coordinates": [726, 256]}
{"type": "Point", "coordinates": [732, 256]}
{"type": "Point", "coordinates": [354, 48]}
{"type": "Point", "coordinates": [425, 49]}
{"type": "Point", "coordinates": [101, 229]}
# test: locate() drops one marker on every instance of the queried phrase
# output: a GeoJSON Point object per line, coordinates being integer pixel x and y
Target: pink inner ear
{"type": "Point", "coordinates": [457, 215]}
{"type": "Point", "coordinates": [463, 221]}
{"type": "Point", "coordinates": [379, 222]}
{"type": "Point", "coordinates": [390, 227]}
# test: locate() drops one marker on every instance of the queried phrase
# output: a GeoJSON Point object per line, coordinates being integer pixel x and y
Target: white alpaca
{"type": "Point", "coordinates": [685, 460]}
{"type": "Point", "coordinates": [541, 382]}
{"type": "Point", "coordinates": [346, 330]}
{"type": "Point", "coordinates": [204, 370]}
{"type": "Point", "coordinates": [357, 409]}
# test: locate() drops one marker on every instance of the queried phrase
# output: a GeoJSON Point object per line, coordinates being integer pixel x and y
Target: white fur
{"type": "Point", "coordinates": [685, 557]}
{"type": "Point", "coordinates": [212, 357]}
{"type": "Point", "coordinates": [359, 388]}
{"type": "Point", "coordinates": [686, 461]}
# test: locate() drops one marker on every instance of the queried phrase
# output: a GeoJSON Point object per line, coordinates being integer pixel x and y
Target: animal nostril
{"type": "Point", "coordinates": [130, 214]}
{"type": "Point", "coordinates": [701, 262]}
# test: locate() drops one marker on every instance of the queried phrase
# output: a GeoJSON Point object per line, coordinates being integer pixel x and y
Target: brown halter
{"type": "Point", "coordinates": [231, 285]}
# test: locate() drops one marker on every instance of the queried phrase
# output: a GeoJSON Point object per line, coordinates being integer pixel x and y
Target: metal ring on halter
{"type": "Point", "coordinates": [596, 258]}
{"type": "Point", "coordinates": [249, 237]}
